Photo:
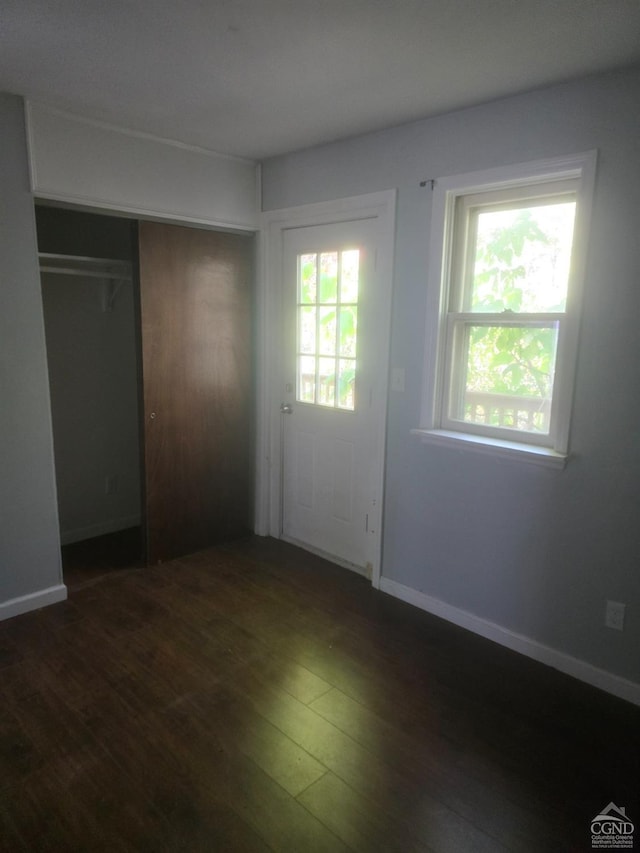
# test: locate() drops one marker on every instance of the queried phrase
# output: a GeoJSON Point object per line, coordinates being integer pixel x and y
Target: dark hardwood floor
{"type": "Point", "coordinates": [253, 697]}
{"type": "Point", "coordinates": [90, 560]}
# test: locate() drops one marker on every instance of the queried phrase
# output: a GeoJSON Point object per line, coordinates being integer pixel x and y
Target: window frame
{"type": "Point", "coordinates": [446, 287]}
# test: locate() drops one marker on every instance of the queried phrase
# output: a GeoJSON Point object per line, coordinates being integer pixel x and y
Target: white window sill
{"type": "Point", "coordinates": [493, 446]}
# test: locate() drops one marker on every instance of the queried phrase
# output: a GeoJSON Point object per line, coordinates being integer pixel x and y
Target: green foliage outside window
{"type": "Point", "coordinates": [521, 265]}
{"type": "Point", "coordinates": [332, 343]}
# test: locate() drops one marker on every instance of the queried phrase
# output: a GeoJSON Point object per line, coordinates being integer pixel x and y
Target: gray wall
{"type": "Point", "coordinates": [93, 378]}
{"type": "Point", "coordinates": [29, 543]}
{"type": "Point", "coordinates": [534, 550]}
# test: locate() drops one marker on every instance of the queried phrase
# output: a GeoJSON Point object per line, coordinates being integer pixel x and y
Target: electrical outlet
{"type": "Point", "coordinates": [614, 615]}
{"type": "Point", "coordinates": [111, 484]}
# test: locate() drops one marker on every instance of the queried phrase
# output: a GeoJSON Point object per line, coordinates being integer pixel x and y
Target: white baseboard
{"type": "Point", "coordinates": [583, 671]}
{"type": "Point", "coordinates": [112, 525]}
{"type": "Point", "coordinates": [33, 601]}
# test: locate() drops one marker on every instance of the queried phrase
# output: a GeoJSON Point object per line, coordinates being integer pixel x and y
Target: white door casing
{"type": "Point", "coordinates": [320, 470]}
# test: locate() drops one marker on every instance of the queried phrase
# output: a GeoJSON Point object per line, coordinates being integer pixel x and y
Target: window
{"type": "Point", "coordinates": [506, 249]}
{"type": "Point", "coordinates": [327, 321]}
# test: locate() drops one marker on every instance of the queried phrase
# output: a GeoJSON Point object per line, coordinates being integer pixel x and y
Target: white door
{"type": "Point", "coordinates": [331, 420]}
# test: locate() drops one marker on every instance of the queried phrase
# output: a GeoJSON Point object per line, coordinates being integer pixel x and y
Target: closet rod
{"type": "Point", "coordinates": [103, 268]}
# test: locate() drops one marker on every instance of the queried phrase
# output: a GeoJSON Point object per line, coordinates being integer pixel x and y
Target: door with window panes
{"type": "Point", "coordinates": [329, 371]}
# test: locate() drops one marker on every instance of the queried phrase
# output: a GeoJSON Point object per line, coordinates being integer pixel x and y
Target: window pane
{"type": "Point", "coordinates": [306, 379]}
{"type": "Point", "coordinates": [328, 277]}
{"type": "Point", "coordinates": [507, 376]}
{"type": "Point", "coordinates": [522, 258]}
{"type": "Point", "coordinates": [327, 389]}
{"type": "Point", "coordinates": [346, 383]}
{"type": "Point", "coordinates": [307, 329]}
{"type": "Point", "coordinates": [307, 278]}
{"type": "Point", "coordinates": [327, 343]}
{"type": "Point", "coordinates": [349, 278]}
{"type": "Point", "coordinates": [327, 327]}
{"type": "Point", "coordinates": [348, 330]}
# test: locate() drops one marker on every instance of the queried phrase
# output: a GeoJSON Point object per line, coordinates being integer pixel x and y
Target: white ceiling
{"type": "Point", "coordinates": [262, 77]}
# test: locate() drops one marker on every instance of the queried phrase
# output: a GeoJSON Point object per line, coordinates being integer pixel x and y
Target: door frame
{"type": "Point", "coordinates": [379, 206]}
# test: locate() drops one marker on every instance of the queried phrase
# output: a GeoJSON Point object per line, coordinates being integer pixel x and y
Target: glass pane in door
{"type": "Point", "coordinates": [327, 328]}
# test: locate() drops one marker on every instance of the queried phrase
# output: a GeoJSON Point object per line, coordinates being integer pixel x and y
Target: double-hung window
{"type": "Point", "coordinates": [507, 258]}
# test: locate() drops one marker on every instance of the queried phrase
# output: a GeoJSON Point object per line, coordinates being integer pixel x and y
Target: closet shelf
{"type": "Point", "coordinates": [103, 268]}
{"type": "Point", "coordinates": [113, 274]}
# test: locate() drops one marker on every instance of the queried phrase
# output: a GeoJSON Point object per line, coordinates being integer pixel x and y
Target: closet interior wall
{"type": "Point", "coordinates": [93, 375]}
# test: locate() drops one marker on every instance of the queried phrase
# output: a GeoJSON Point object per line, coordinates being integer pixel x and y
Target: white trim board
{"type": "Point", "coordinates": [33, 601]}
{"type": "Point", "coordinates": [92, 164]}
{"type": "Point", "coordinates": [583, 671]}
{"type": "Point", "coordinates": [137, 134]}
{"type": "Point", "coordinates": [380, 206]}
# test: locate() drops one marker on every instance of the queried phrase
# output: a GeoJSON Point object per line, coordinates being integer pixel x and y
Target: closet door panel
{"type": "Point", "coordinates": [195, 298]}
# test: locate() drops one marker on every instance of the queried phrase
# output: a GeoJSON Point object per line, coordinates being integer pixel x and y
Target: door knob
{"type": "Point", "coordinates": [286, 409]}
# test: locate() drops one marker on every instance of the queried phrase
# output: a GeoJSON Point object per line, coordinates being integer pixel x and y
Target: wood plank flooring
{"type": "Point", "coordinates": [254, 697]}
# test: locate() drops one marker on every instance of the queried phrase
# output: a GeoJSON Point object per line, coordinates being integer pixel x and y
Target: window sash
{"type": "Point", "coordinates": [466, 212]}
{"type": "Point", "coordinates": [453, 384]}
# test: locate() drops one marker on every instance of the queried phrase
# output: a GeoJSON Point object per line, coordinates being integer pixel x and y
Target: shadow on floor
{"type": "Point", "coordinates": [89, 560]}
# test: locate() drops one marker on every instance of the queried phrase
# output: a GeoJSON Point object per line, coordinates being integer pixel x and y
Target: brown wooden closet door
{"type": "Point", "coordinates": [195, 298]}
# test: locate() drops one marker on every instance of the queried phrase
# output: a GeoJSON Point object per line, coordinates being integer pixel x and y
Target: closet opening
{"type": "Point", "coordinates": [87, 264]}
{"type": "Point", "coordinates": [149, 330]}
